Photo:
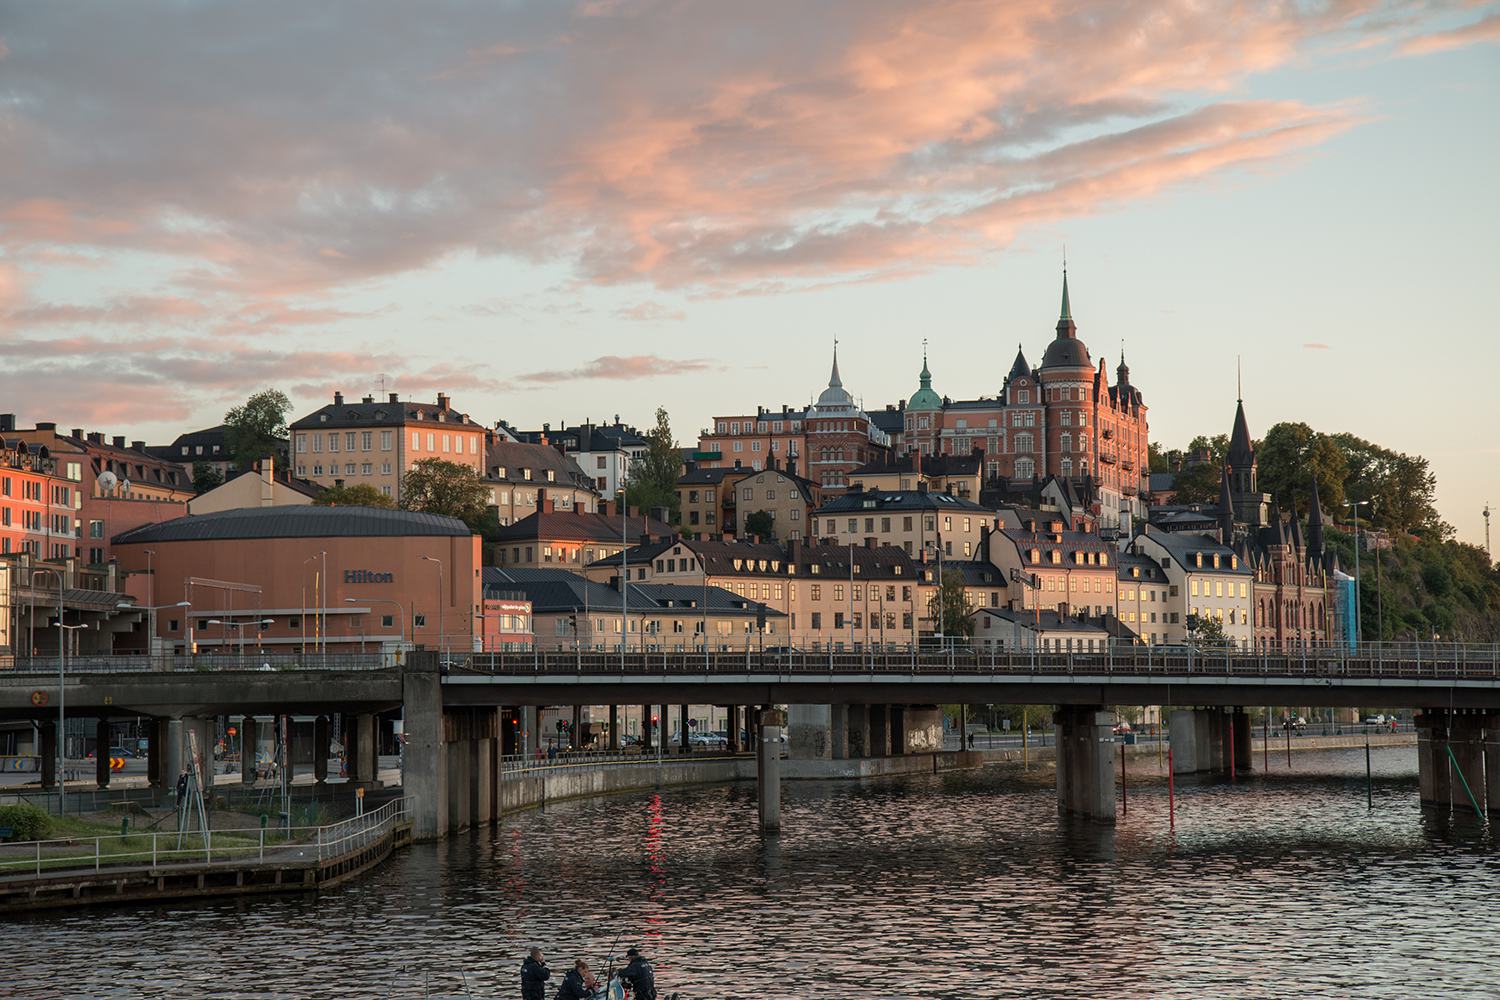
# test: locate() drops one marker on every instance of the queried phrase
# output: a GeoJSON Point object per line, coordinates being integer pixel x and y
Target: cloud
{"type": "Point", "coordinates": [618, 368]}
{"type": "Point", "coordinates": [1486, 29]}
{"type": "Point", "coordinates": [1316, 347]}
{"type": "Point", "coordinates": [650, 312]}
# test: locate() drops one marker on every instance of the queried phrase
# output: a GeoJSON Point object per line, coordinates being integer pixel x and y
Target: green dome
{"type": "Point", "coordinates": [924, 398]}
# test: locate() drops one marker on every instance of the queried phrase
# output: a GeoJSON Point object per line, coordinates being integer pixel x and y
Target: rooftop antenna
{"type": "Point", "coordinates": [1239, 387]}
{"type": "Point", "coordinates": [1487, 550]}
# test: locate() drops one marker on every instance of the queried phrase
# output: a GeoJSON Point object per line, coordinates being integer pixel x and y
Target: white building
{"type": "Point", "coordinates": [1206, 580]}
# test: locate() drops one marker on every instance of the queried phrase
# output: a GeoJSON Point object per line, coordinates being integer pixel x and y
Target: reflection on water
{"type": "Point", "coordinates": [962, 884]}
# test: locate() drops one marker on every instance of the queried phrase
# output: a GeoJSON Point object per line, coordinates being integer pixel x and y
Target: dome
{"type": "Point", "coordinates": [925, 398]}
{"type": "Point", "coordinates": [1066, 352]}
{"type": "Point", "coordinates": [835, 398]}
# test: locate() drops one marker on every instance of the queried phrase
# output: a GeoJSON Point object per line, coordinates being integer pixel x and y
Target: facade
{"type": "Point", "coordinates": [36, 505]}
{"type": "Point", "coordinates": [961, 476]}
{"type": "Point", "coordinates": [752, 440]}
{"type": "Point", "coordinates": [707, 498]}
{"type": "Point", "coordinates": [522, 477]}
{"type": "Point", "coordinates": [1054, 569]}
{"type": "Point", "coordinates": [571, 539]}
{"type": "Point", "coordinates": [263, 486]}
{"type": "Point", "coordinates": [209, 446]}
{"type": "Point", "coordinates": [1062, 418]}
{"type": "Point", "coordinates": [374, 443]}
{"type": "Point", "coordinates": [923, 525]}
{"type": "Point", "coordinates": [841, 437]}
{"type": "Point", "coordinates": [603, 451]}
{"type": "Point", "coordinates": [334, 579]}
{"type": "Point", "coordinates": [506, 622]}
{"type": "Point", "coordinates": [787, 497]}
{"type": "Point", "coordinates": [1206, 580]}
{"type": "Point", "coordinates": [999, 629]}
{"type": "Point", "coordinates": [1144, 598]}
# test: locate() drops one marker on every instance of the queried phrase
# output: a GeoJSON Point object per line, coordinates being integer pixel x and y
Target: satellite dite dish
{"type": "Point", "coordinates": [107, 481]}
{"type": "Point", "coordinates": [124, 486]}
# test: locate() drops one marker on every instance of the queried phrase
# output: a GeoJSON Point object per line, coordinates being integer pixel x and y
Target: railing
{"type": "Point", "coordinates": [160, 850]}
{"type": "Point", "coordinates": [513, 763]}
{"type": "Point", "coordinates": [216, 662]}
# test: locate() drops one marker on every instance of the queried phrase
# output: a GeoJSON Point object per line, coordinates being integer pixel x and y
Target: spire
{"type": "Point", "coordinates": [1226, 509]}
{"type": "Point", "coordinates": [1315, 525]}
{"type": "Point", "coordinates": [1122, 373]}
{"type": "Point", "coordinates": [834, 382]}
{"type": "Point", "coordinates": [926, 376]}
{"type": "Point", "coordinates": [1065, 325]}
{"type": "Point", "coordinates": [1241, 451]}
{"type": "Point", "coordinates": [1019, 368]}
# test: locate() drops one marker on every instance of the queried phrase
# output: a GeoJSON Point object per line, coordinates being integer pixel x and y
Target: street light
{"type": "Point", "coordinates": [442, 637]}
{"type": "Point", "coordinates": [321, 594]}
{"type": "Point", "coordinates": [61, 690]}
{"type": "Point", "coordinates": [151, 611]}
{"type": "Point", "coordinates": [241, 626]}
{"type": "Point", "coordinates": [1354, 506]}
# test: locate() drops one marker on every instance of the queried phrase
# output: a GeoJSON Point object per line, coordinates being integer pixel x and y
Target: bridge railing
{"type": "Point", "coordinates": [201, 663]}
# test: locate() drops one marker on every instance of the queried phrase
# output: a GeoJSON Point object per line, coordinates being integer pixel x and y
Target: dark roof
{"type": "Point", "coordinates": [554, 590]}
{"type": "Point", "coordinates": [1161, 482]}
{"type": "Point", "coordinates": [207, 438]}
{"type": "Point", "coordinates": [388, 412]}
{"type": "Point", "coordinates": [888, 420]}
{"type": "Point", "coordinates": [1050, 621]}
{"type": "Point", "coordinates": [770, 559]}
{"type": "Point", "coordinates": [1045, 542]}
{"type": "Point", "coordinates": [1149, 570]}
{"type": "Point", "coordinates": [586, 437]}
{"type": "Point", "coordinates": [513, 457]}
{"type": "Point", "coordinates": [580, 526]}
{"type": "Point", "coordinates": [805, 486]}
{"type": "Point", "coordinates": [1180, 546]}
{"type": "Point", "coordinates": [1241, 451]}
{"type": "Point", "coordinates": [296, 522]}
{"type": "Point", "coordinates": [1019, 368]}
{"type": "Point", "coordinates": [874, 501]}
{"type": "Point", "coordinates": [711, 477]}
{"type": "Point", "coordinates": [973, 572]}
{"type": "Point", "coordinates": [932, 465]}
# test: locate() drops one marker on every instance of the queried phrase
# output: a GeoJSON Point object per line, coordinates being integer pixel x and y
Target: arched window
{"type": "Point", "coordinates": [1067, 466]}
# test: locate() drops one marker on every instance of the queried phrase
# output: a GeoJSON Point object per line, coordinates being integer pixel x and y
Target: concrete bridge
{"type": "Point", "coordinates": [463, 716]}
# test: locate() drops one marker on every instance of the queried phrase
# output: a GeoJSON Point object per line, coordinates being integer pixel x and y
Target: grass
{"type": "Point", "coordinates": [134, 848]}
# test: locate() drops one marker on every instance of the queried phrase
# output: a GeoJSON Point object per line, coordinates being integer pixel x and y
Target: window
{"type": "Point", "coordinates": [431, 441]}
{"type": "Point", "coordinates": [333, 441]}
{"type": "Point", "coordinates": [385, 440]}
{"type": "Point", "coordinates": [366, 440]}
{"type": "Point", "coordinates": [419, 621]}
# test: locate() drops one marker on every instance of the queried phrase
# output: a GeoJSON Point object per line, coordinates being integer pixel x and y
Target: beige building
{"type": "Point", "coordinates": [1206, 580]}
{"type": "Point", "coordinates": [999, 629]}
{"type": "Point", "coordinates": [706, 499]}
{"type": "Point", "coordinates": [572, 539]}
{"type": "Point", "coordinates": [920, 523]}
{"type": "Point", "coordinates": [263, 486]}
{"type": "Point", "coordinates": [1053, 569]}
{"type": "Point", "coordinates": [524, 477]}
{"type": "Point", "coordinates": [1146, 600]}
{"type": "Point", "coordinates": [373, 443]}
{"type": "Point", "coordinates": [787, 497]}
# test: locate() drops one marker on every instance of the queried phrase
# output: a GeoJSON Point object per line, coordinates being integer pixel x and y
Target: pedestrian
{"type": "Point", "coordinates": [182, 785]}
{"type": "Point", "coordinates": [578, 984]}
{"type": "Point", "coordinates": [639, 976]}
{"type": "Point", "coordinates": [971, 741]}
{"type": "Point", "coordinates": [551, 751]}
{"type": "Point", "coordinates": [534, 974]}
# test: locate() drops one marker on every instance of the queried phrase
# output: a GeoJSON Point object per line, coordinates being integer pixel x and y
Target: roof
{"type": "Point", "coordinates": [1067, 351]}
{"type": "Point", "coordinates": [770, 559]}
{"type": "Point", "coordinates": [1241, 450]}
{"type": "Point", "coordinates": [283, 478]}
{"type": "Point", "coordinates": [1130, 566]}
{"type": "Point", "coordinates": [805, 486]}
{"type": "Point", "coordinates": [507, 462]}
{"type": "Point", "coordinates": [555, 590]}
{"type": "Point", "coordinates": [297, 522]}
{"type": "Point", "coordinates": [925, 398]}
{"type": "Point", "coordinates": [1182, 546]}
{"type": "Point", "coordinates": [587, 437]}
{"type": "Point", "coordinates": [1050, 621]}
{"type": "Point", "coordinates": [388, 412]}
{"type": "Point", "coordinates": [574, 525]}
{"type": "Point", "coordinates": [1046, 542]}
{"type": "Point", "coordinates": [973, 572]}
{"type": "Point", "coordinates": [932, 465]}
{"type": "Point", "coordinates": [884, 500]}
{"type": "Point", "coordinates": [834, 399]}
{"type": "Point", "coordinates": [711, 477]}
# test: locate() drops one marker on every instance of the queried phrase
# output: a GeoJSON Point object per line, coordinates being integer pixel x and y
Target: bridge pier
{"type": "Point", "coordinates": [249, 741]}
{"type": "Point", "coordinates": [1492, 763]}
{"type": "Point", "coordinates": [47, 744]}
{"type": "Point", "coordinates": [1434, 782]}
{"type": "Point", "coordinates": [880, 730]}
{"type": "Point", "coordinates": [1466, 737]}
{"type": "Point", "coordinates": [808, 732]}
{"type": "Point", "coordinates": [361, 755]}
{"type": "Point", "coordinates": [101, 752]}
{"type": "Point", "coordinates": [1239, 721]}
{"type": "Point", "coordinates": [768, 768]}
{"type": "Point", "coordinates": [645, 728]}
{"type": "Point", "coordinates": [175, 756]}
{"type": "Point", "coordinates": [1085, 763]}
{"type": "Point", "coordinates": [424, 771]}
{"type": "Point", "coordinates": [732, 727]}
{"type": "Point", "coordinates": [921, 729]}
{"type": "Point", "coordinates": [838, 731]}
{"type": "Point", "coordinates": [1202, 738]}
{"type": "Point", "coordinates": [155, 737]}
{"type": "Point", "coordinates": [684, 731]}
{"type": "Point", "coordinates": [614, 727]}
{"type": "Point", "coordinates": [857, 730]}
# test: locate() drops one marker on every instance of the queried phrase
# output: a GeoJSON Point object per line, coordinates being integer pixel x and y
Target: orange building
{"type": "Point", "coordinates": [344, 579]}
{"type": "Point", "coordinates": [36, 510]}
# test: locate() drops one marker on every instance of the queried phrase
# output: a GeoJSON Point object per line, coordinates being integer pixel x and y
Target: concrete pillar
{"type": "Point", "coordinates": [685, 745]}
{"type": "Point", "coordinates": [1466, 737]}
{"type": "Point", "coordinates": [1213, 741]}
{"type": "Point", "coordinates": [1240, 729]}
{"type": "Point", "coordinates": [101, 753]}
{"type": "Point", "coordinates": [363, 761]}
{"type": "Point", "coordinates": [838, 731]}
{"type": "Point", "coordinates": [1492, 762]}
{"type": "Point", "coordinates": [1085, 763]}
{"type": "Point", "coordinates": [204, 727]}
{"type": "Point", "coordinates": [155, 744]}
{"type": "Point", "coordinates": [321, 735]}
{"type": "Point", "coordinates": [921, 729]}
{"type": "Point", "coordinates": [47, 751]}
{"type": "Point", "coordinates": [1182, 731]}
{"type": "Point", "coordinates": [732, 727]}
{"type": "Point", "coordinates": [646, 734]}
{"type": "Point", "coordinates": [575, 728]}
{"type": "Point", "coordinates": [175, 753]}
{"type": "Point", "coordinates": [614, 727]}
{"type": "Point", "coordinates": [880, 732]}
{"type": "Point", "coordinates": [1433, 778]}
{"type": "Point", "coordinates": [249, 742]}
{"type": "Point", "coordinates": [768, 769]}
{"type": "Point", "coordinates": [896, 730]}
{"type": "Point", "coordinates": [425, 761]}
{"type": "Point", "coordinates": [807, 732]}
{"type": "Point", "coordinates": [857, 730]}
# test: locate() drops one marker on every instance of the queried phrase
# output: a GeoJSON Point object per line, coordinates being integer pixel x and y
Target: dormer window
{"type": "Point", "coordinates": [500, 472]}
{"type": "Point", "coordinates": [322, 418]}
{"type": "Point", "coordinates": [379, 414]}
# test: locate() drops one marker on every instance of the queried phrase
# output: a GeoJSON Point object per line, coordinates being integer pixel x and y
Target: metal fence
{"type": "Point", "coordinates": [200, 663]}
{"type": "Point", "coordinates": [190, 848]}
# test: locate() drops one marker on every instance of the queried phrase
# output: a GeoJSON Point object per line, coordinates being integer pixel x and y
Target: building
{"type": "Point", "coordinates": [788, 499]}
{"type": "Point", "coordinates": [572, 612]}
{"type": "Point", "coordinates": [840, 436]}
{"type": "Point", "coordinates": [1206, 580]}
{"type": "Point", "coordinates": [374, 443]}
{"type": "Point", "coordinates": [506, 622]}
{"type": "Point", "coordinates": [521, 476]}
{"type": "Point", "coordinates": [36, 504]}
{"type": "Point", "coordinates": [604, 452]}
{"type": "Point", "coordinates": [707, 499]}
{"type": "Point", "coordinates": [752, 440]}
{"type": "Point", "coordinates": [263, 486]}
{"type": "Point", "coordinates": [923, 525]}
{"type": "Point", "coordinates": [999, 629]}
{"type": "Point", "coordinates": [210, 447]}
{"type": "Point", "coordinates": [321, 579]}
{"type": "Point", "coordinates": [956, 475]}
{"type": "Point", "coordinates": [1053, 568]}
{"type": "Point", "coordinates": [1062, 418]}
{"type": "Point", "coordinates": [1144, 598]}
{"type": "Point", "coordinates": [572, 539]}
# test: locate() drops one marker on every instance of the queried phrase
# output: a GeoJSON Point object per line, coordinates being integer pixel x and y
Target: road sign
{"type": "Point", "coordinates": [39, 698]}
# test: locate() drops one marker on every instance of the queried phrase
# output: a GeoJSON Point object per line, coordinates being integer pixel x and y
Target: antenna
{"type": "Point", "coordinates": [1487, 550]}
{"type": "Point", "coordinates": [1239, 386]}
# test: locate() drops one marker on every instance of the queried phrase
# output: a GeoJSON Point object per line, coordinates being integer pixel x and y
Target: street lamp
{"type": "Point", "coordinates": [442, 636]}
{"type": "Point", "coordinates": [151, 611]}
{"type": "Point", "coordinates": [61, 690]}
{"type": "Point", "coordinates": [1354, 506]}
{"type": "Point", "coordinates": [241, 626]}
{"type": "Point", "coordinates": [321, 595]}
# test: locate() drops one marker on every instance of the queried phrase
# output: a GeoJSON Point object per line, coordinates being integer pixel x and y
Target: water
{"type": "Point", "coordinates": [963, 884]}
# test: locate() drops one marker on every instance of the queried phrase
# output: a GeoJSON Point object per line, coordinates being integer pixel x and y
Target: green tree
{"type": "Point", "coordinates": [1159, 459]}
{"type": "Point", "coordinates": [437, 486]}
{"type": "Point", "coordinates": [1216, 446]}
{"type": "Point", "coordinates": [1401, 488]}
{"type": "Point", "coordinates": [206, 477]}
{"type": "Point", "coordinates": [1198, 483]}
{"type": "Point", "coordinates": [257, 428]}
{"type": "Point", "coordinates": [653, 476]}
{"type": "Point", "coordinates": [362, 495]}
{"type": "Point", "coordinates": [949, 608]}
{"type": "Point", "coordinates": [1207, 632]}
{"type": "Point", "coordinates": [760, 523]}
{"type": "Point", "coordinates": [1291, 457]}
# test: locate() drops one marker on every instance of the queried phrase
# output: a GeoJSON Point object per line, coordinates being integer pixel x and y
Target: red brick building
{"type": "Point", "coordinates": [36, 508]}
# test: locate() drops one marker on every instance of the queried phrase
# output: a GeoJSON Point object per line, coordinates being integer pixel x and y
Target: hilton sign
{"type": "Point", "coordinates": [367, 576]}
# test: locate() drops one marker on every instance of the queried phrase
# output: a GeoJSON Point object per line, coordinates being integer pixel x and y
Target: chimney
{"type": "Point", "coordinates": [916, 463]}
{"type": "Point", "coordinates": [118, 441]}
{"type": "Point", "coordinates": [138, 446]}
{"type": "Point", "coordinates": [338, 399]}
{"type": "Point", "coordinates": [793, 551]}
{"type": "Point", "coordinates": [7, 421]}
{"type": "Point", "coordinates": [96, 437]}
{"type": "Point", "coordinates": [368, 399]}
{"type": "Point", "coordinates": [50, 426]}
{"type": "Point", "coordinates": [267, 468]}
{"type": "Point", "coordinates": [442, 401]}
{"type": "Point", "coordinates": [395, 398]}
{"type": "Point", "coordinates": [75, 432]}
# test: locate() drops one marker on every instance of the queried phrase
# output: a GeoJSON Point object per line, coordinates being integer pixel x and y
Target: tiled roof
{"type": "Point", "coordinates": [573, 525]}
{"type": "Point", "coordinates": [554, 590]}
{"type": "Point", "coordinates": [513, 458]}
{"type": "Point", "coordinates": [369, 412]}
{"type": "Point", "coordinates": [305, 521]}
{"type": "Point", "coordinates": [874, 501]}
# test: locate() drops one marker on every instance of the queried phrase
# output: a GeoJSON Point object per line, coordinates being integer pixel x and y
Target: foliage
{"type": "Point", "coordinates": [438, 486]}
{"type": "Point", "coordinates": [1199, 483]}
{"type": "Point", "coordinates": [653, 476]}
{"type": "Point", "coordinates": [1207, 632]}
{"type": "Point", "coordinates": [1158, 458]}
{"type": "Point", "coordinates": [257, 428]}
{"type": "Point", "coordinates": [206, 477]}
{"type": "Point", "coordinates": [26, 822]}
{"type": "Point", "coordinates": [1424, 585]}
{"type": "Point", "coordinates": [361, 495]}
{"type": "Point", "coordinates": [1401, 488]}
{"type": "Point", "coordinates": [1291, 457]}
{"type": "Point", "coordinates": [949, 608]}
{"type": "Point", "coordinates": [1217, 447]}
{"type": "Point", "coordinates": [760, 523]}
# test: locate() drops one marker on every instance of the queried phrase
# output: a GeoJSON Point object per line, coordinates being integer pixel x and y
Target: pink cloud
{"type": "Point", "coordinates": [1486, 29]}
{"type": "Point", "coordinates": [650, 312]}
{"type": "Point", "coordinates": [615, 367]}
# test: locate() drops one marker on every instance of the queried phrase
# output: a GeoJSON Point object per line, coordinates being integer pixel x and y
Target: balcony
{"type": "Point", "coordinates": [1107, 457]}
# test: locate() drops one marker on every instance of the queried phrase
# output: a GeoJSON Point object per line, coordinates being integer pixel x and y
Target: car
{"type": "Point", "coordinates": [1375, 720]}
{"type": "Point", "coordinates": [121, 752]}
{"type": "Point", "coordinates": [1122, 727]}
{"type": "Point", "coordinates": [710, 741]}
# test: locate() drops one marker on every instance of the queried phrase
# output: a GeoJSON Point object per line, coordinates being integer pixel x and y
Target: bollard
{"type": "Point", "coordinates": [1124, 794]}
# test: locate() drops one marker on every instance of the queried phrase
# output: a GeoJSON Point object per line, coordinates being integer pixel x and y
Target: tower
{"type": "Point", "coordinates": [1315, 527]}
{"type": "Point", "coordinates": [1251, 506]}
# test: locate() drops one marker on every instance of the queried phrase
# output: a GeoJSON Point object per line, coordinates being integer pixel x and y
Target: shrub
{"type": "Point", "coordinates": [25, 822]}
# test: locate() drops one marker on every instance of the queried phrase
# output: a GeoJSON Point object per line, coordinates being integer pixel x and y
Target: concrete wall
{"type": "Point", "coordinates": [533, 788]}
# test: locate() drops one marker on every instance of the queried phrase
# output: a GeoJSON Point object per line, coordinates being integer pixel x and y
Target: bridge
{"type": "Point", "coordinates": [464, 713]}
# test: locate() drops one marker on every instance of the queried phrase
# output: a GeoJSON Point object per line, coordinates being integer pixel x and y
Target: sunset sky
{"type": "Point", "coordinates": [555, 211]}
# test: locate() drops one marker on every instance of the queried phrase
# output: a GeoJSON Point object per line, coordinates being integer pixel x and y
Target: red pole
{"type": "Point", "coordinates": [1124, 792]}
{"type": "Point", "coordinates": [1171, 794]}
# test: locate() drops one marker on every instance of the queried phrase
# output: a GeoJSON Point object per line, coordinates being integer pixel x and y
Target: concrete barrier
{"type": "Point", "coordinates": [525, 789]}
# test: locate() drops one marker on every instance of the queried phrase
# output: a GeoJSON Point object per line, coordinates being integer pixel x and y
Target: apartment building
{"type": "Point", "coordinates": [920, 523]}
{"type": "Point", "coordinates": [36, 505]}
{"type": "Point", "coordinates": [1207, 580]}
{"type": "Point", "coordinates": [707, 498]}
{"type": "Point", "coordinates": [522, 477]}
{"type": "Point", "coordinates": [1070, 572]}
{"type": "Point", "coordinates": [572, 539]}
{"type": "Point", "coordinates": [788, 499]}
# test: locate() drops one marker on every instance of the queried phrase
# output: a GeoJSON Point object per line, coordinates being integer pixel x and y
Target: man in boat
{"type": "Point", "coordinates": [639, 976]}
{"type": "Point", "coordinates": [534, 975]}
{"type": "Point", "coordinates": [579, 984]}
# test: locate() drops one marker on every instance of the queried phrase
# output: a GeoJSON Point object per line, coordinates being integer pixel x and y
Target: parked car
{"type": "Point", "coordinates": [709, 741]}
{"type": "Point", "coordinates": [1375, 720]}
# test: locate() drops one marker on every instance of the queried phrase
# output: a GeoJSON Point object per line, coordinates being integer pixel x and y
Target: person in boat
{"type": "Point", "coordinates": [639, 976]}
{"type": "Point", "coordinates": [534, 974]}
{"type": "Point", "coordinates": [578, 984]}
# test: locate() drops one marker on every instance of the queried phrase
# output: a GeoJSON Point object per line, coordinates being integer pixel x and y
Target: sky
{"type": "Point", "coordinates": [556, 211]}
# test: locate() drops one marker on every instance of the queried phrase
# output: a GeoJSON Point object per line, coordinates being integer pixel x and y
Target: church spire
{"type": "Point", "coordinates": [834, 382]}
{"type": "Point", "coordinates": [1226, 509]}
{"type": "Point", "coordinates": [1315, 525]}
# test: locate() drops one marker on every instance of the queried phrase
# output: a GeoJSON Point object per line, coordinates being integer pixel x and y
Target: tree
{"type": "Point", "coordinates": [1401, 488]}
{"type": "Point", "coordinates": [437, 486]}
{"type": "Point", "coordinates": [1198, 483]}
{"type": "Point", "coordinates": [949, 608]}
{"type": "Point", "coordinates": [760, 523]}
{"type": "Point", "coordinates": [1217, 447]}
{"type": "Point", "coordinates": [362, 495]}
{"type": "Point", "coordinates": [1207, 632]}
{"type": "Point", "coordinates": [1291, 457]}
{"type": "Point", "coordinates": [206, 477]}
{"type": "Point", "coordinates": [653, 476]}
{"type": "Point", "coordinates": [257, 428]}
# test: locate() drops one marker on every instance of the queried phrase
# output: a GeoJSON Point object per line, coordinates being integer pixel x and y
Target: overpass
{"type": "Point", "coordinates": [463, 715]}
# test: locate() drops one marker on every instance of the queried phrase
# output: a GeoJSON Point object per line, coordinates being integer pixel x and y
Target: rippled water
{"type": "Point", "coordinates": [962, 884]}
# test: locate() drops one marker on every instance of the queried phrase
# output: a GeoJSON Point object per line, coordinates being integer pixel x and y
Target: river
{"type": "Point", "coordinates": [963, 884]}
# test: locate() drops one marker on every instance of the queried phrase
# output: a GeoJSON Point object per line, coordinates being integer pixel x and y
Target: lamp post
{"type": "Point", "coordinates": [151, 611]}
{"type": "Point", "coordinates": [442, 636]}
{"type": "Point", "coordinates": [241, 626]}
{"type": "Point", "coordinates": [401, 610]}
{"type": "Point", "coordinates": [61, 667]}
{"type": "Point", "coordinates": [1354, 506]}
